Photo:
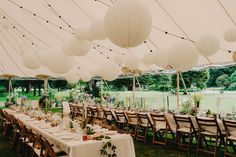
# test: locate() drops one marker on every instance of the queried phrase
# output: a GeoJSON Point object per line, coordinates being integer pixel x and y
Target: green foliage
{"type": "Point", "coordinates": [192, 78]}
{"type": "Point", "coordinates": [216, 72]}
{"type": "Point", "coordinates": [233, 77]}
{"type": "Point", "coordinates": [223, 81]}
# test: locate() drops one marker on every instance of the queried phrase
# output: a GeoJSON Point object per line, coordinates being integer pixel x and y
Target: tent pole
{"type": "Point", "coordinates": [177, 88]}
{"type": "Point", "coordinates": [134, 91]}
{"type": "Point", "coordinates": [9, 89]}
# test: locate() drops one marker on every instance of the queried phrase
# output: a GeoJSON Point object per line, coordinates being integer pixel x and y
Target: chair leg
{"type": "Point", "coordinates": [199, 140]}
{"type": "Point", "coordinates": [217, 140]}
{"type": "Point", "coordinates": [225, 151]}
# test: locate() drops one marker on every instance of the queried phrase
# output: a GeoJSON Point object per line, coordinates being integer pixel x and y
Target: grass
{"type": "Point", "coordinates": [156, 100]}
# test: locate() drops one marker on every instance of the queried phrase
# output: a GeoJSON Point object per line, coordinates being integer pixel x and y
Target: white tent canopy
{"type": "Point", "coordinates": [51, 23]}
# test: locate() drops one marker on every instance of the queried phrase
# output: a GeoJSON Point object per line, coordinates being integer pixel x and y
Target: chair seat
{"type": "Point", "coordinates": [133, 123]}
{"type": "Point", "coordinates": [145, 125]}
{"type": "Point", "coordinates": [185, 130]}
{"type": "Point", "coordinates": [233, 138]}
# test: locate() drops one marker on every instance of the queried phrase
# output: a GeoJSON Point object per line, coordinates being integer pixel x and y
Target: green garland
{"type": "Point", "coordinates": [108, 146]}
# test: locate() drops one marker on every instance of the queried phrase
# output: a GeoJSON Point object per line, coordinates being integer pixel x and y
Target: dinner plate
{"type": "Point", "coordinates": [111, 132]}
{"type": "Point", "coordinates": [68, 137]}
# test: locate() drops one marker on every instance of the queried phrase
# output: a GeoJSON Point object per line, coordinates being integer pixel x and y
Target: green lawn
{"type": "Point", "coordinates": [155, 100]}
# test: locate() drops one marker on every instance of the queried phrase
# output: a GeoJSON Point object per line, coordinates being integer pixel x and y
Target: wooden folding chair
{"type": "Point", "coordinates": [209, 132]}
{"type": "Point", "coordinates": [184, 130]}
{"type": "Point", "coordinates": [132, 123]}
{"type": "Point", "coordinates": [160, 129]}
{"type": "Point", "coordinates": [121, 119]}
{"type": "Point", "coordinates": [230, 127]}
{"type": "Point", "coordinates": [144, 124]}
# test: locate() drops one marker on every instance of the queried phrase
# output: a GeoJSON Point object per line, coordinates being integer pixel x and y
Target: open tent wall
{"type": "Point", "coordinates": [49, 24]}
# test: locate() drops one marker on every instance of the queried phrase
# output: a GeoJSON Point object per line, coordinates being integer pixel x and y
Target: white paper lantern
{"type": "Point", "coordinates": [230, 34]}
{"type": "Point", "coordinates": [59, 63]}
{"type": "Point", "coordinates": [119, 59]}
{"type": "Point", "coordinates": [85, 75]}
{"type": "Point", "coordinates": [128, 23]}
{"type": "Point", "coordinates": [183, 56]}
{"type": "Point", "coordinates": [148, 58]}
{"type": "Point", "coordinates": [72, 76]}
{"type": "Point", "coordinates": [132, 62]}
{"type": "Point", "coordinates": [207, 45]}
{"type": "Point", "coordinates": [161, 58]}
{"type": "Point", "coordinates": [79, 47]}
{"type": "Point", "coordinates": [84, 34]}
{"type": "Point", "coordinates": [67, 49]}
{"type": "Point", "coordinates": [234, 56]}
{"type": "Point", "coordinates": [97, 30]}
{"type": "Point", "coordinates": [30, 59]}
{"type": "Point", "coordinates": [110, 73]}
{"type": "Point", "coordinates": [44, 57]}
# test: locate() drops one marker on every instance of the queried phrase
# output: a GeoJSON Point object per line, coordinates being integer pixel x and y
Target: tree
{"type": "Point", "coordinates": [216, 72]}
{"type": "Point", "coordinates": [223, 81]}
{"type": "Point", "coordinates": [233, 77]}
{"type": "Point", "coordinates": [197, 78]}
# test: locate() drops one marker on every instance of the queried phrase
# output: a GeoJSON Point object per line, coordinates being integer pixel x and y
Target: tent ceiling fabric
{"type": "Point", "coordinates": [184, 18]}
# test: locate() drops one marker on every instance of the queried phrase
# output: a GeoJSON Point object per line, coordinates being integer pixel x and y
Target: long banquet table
{"type": "Point", "coordinates": [72, 143]}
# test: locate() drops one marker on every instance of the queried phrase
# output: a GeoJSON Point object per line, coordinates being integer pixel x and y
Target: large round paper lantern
{"type": "Point", "coordinates": [79, 47]}
{"type": "Point", "coordinates": [183, 56]}
{"type": "Point", "coordinates": [44, 57]}
{"type": "Point", "coordinates": [119, 59]}
{"type": "Point", "coordinates": [97, 30]}
{"type": "Point", "coordinates": [30, 60]}
{"type": "Point", "coordinates": [234, 56]}
{"type": "Point", "coordinates": [67, 49]}
{"type": "Point", "coordinates": [132, 62]}
{"type": "Point", "coordinates": [110, 73]}
{"type": "Point", "coordinates": [207, 45]}
{"type": "Point", "coordinates": [59, 63]}
{"type": "Point", "coordinates": [148, 58]}
{"type": "Point", "coordinates": [84, 34]}
{"type": "Point", "coordinates": [230, 34]}
{"type": "Point", "coordinates": [128, 23]}
{"type": "Point", "coordinates": [85, 75]}
{"type": "Point", "coordinates": [161, 58]}
{"type": "Point", "coordinates": [72, 76]}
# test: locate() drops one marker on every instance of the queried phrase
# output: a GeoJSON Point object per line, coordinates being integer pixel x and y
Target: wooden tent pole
{"type": "Point", "coordinates": [177, 88]}
{"type": "Point", "coordinates": [134, 91]}
{"type": "Point", "coordinates": [9, 89]}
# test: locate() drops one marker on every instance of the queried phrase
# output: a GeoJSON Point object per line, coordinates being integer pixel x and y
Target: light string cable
{"type": "Point", "coordinates": [8, 54]}
{"type": "Point", "coordinates": [180, 28]}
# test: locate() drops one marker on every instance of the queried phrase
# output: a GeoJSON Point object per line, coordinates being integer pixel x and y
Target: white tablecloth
{"type": "Point", "coordinates": [77, 147]}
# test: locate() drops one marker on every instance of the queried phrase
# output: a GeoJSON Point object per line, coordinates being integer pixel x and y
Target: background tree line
{"type": "Point", "coordinates": [193, 80]}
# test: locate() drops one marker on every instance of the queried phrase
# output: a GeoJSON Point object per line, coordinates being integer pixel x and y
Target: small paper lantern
{"type": "Point", "coordinates": [85, 75]}
{"type": "Point", "coordinates": [230, 34]}
{"type": "Point", "coordinates": [97, 30]}
{"type": "Point", "coordinates": [67, 49]}
{"type": "Point", "coordinates": [30, 59]}
{"type": "Point", "coordinates": [132, 62]}
{"type": "Point", "coordinates": [72, 76]}
{"type": "Point", "coordinates": [207, 45]}
{"type": "Point", "coordinates": [44, 57]}
{"type": "Point", "coordinates": [161, 58]}
{"type": "Point", "coordinates": [79, 47]}
{"type": "Point", "coordinates": [110, 73]}
{"type": "Point", "coordinates": [59, 63]}
{"type": "Point", "coordinates": [84, 34]}
{"type": "Point", "coordinates": [183, 56]}
{"type": "Point", "coordinates": [128, 23]}
{"type": "Point", "coordinates": [119, 59]}
{"type": "Point", "coordinates": [148, 58]}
